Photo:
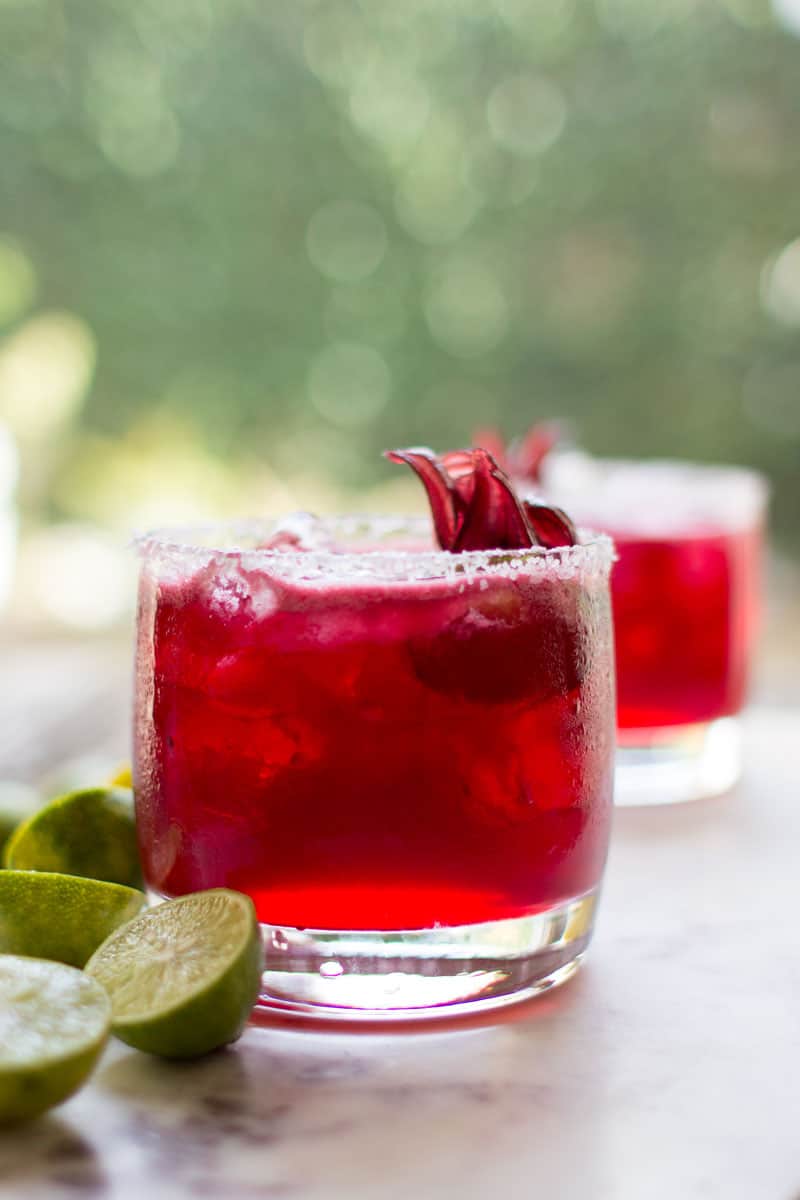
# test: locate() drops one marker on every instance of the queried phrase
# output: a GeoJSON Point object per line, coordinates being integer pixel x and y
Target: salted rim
{"type": "Point", "coordinates": [593, 555]}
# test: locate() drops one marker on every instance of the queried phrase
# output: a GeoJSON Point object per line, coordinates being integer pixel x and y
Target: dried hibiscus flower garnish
{"type": "Point", "coordinates": [524, 457]}
{"type": "Point", "coordinates": [527, 454]}
{"type": "Point", "coordinates": [474, 505]}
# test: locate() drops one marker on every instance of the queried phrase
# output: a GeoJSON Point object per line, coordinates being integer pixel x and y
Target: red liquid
{"type": "Point", "coordinates": [685, 619]}
{"type": "Point", "coordinates": [386, 756]}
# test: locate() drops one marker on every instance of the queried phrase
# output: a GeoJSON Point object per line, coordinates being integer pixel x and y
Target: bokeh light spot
{"type": "Point", "coordinates": [391, 107]}
{"type": "Point", "coordinates": [336, 44]}
{"type": "Point", "coordinates": [134, 126]}
{"type": "Point", "coordinates": [162, 472]}
{"type": "Point", "coordinates": [780, 285]}
{"type": "Point", "coordinates": [45, 371]}
{"type": "Point", "coordinates": [526, 114]}
{"type": "Point", "coordinates": [346, 242]}
{"type": "Point", "coordinates": [349, 384]}
{"type": "Point", "coordinates": [432, 201]}
{"type": "Point", "coordinates": [17, 280]}
{"type": "Point", "coordinates": [435, 210]}
{"type": "Point", "coordinates": [466, 308]}
{"type": "Point", "coordinates": [82, 577]}
{"type": "Point", "coordinates": [140, 148]}
{"type": "Point", "coordinates": [787, 13]}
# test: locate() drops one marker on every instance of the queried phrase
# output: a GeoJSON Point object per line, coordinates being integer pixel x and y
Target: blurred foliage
{"type": "Point", "coordinates": [245, 245]}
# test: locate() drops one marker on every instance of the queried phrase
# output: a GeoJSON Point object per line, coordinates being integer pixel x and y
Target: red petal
{"type": "Point", "coordinates": [495, 518]}
{"type": "Point", "coordinates": [491, 439]}
{"type": "Point", "coordinates": [459, 467]}
{"type": "Point", "coordinates": [551, 526]}
{"type": "Point", "coordinates": [441, 492]}
{"type": "Point", "coordinates": [526, 457]}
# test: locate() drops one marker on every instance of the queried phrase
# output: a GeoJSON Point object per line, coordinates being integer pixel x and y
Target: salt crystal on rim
{"type": "Point", "coordinates": [243, 542]}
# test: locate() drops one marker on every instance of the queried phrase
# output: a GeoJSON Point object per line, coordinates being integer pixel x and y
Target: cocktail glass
{"type": "Point", "coordinates": [404, 756]}
{"type": "Point", "coordinates": [686, 600]}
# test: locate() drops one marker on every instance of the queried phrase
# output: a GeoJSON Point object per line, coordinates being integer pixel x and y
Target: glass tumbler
{"type": "Point", "coordinates": [686, 595]}
{"type": "Point", "coordinates": [404, 756]}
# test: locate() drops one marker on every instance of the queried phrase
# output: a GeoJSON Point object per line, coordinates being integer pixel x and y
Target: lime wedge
{"type": "Point", "coordinates": [184, 976]}
{"type": "Point", "coordinates": [90, 833]}
{"type": "Point", "coordinates": [54, 1021]}
{"type": "Point", "coordinates": [122, 777]}
{"type": "Point", "coordinates": [63, 917]}
{"type": "Point", "coordinates": [17, 803]}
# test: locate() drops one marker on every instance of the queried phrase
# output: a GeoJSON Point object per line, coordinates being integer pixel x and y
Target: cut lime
{"type": "Point", "coordinates": [122, 777]}
{"type": "Point", "coordinates": [17, 803]}
{"type": "Point", "coordinates": [54, 1021]}
{"type": "Point", "coordinates": [90, 833]}
{"type": "Point", "coordinates": [63, 917]}
{"type": "Point", "coordinates": [184, 976]}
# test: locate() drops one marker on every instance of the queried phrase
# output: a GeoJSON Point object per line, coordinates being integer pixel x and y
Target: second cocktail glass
{"type": "Point", "coordinates": [686, 596]}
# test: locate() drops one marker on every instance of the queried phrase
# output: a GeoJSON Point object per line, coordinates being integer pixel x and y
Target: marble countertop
{"type": "Point", "coordinates": [667, 1070]}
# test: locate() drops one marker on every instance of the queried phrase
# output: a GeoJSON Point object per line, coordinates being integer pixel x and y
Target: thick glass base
{"type": "Point", "coordinates": [668, 766]}
{"type": "Point", "coordinates": [423, 973]}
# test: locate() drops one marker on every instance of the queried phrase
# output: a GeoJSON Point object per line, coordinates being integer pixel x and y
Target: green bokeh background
{"type": "Point", "coordinates": [247, 244]}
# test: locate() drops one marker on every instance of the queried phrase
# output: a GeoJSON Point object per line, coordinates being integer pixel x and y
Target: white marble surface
{"type": "Point", "coordinates": [667, 1070]}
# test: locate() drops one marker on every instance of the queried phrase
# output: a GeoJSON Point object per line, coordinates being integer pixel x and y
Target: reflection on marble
{"type": "Point", "coordinates": [662, 1072]}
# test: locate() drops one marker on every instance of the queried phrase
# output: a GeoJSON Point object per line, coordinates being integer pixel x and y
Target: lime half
{"type": "Point", "coordinates": [54, 1022]}
{"type": "Point", "coordinates": [90, 833]}
{"type": "Point", "coordinates": [62, 917]}
{"type": "Point", "coordinates": [184, 976]}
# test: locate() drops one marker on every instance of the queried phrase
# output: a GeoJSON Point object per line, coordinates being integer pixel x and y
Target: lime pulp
{"type": "Point", "coordinates": [183, 977]}
{"type": "Point", "coordinates": [54, 1022]}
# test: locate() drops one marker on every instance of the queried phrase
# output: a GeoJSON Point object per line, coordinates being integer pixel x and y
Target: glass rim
{"type": "Point", "coordinates": [191, 544]}
{"type": "Point", "coordinates": [632, 495]}
{"type": "Point", "coordinates": [603, 472]}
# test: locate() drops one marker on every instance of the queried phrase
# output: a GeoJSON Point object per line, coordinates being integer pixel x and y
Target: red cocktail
{"type": "Point", "coordinates": [686, 602]}
{"type": "Point", "coordinates": [689, 662]}
{"type": "Point", "coordinates": [403, 755]}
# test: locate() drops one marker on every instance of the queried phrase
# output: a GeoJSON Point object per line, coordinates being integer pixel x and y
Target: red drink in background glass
{"type": "Point", "coordinates": [685, 619]}
{"type": "Point", "coordinates": [686, 602]}
{"type": "Point", "coordinates": [376, 741]}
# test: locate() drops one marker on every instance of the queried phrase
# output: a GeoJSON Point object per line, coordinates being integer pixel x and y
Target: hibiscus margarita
{"type": "Point", "coordinates": [692, 664]}
{"type": "Point", "coordinates": [403, 754]}
{"type": "Point", "coordinates": [686, 599]}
